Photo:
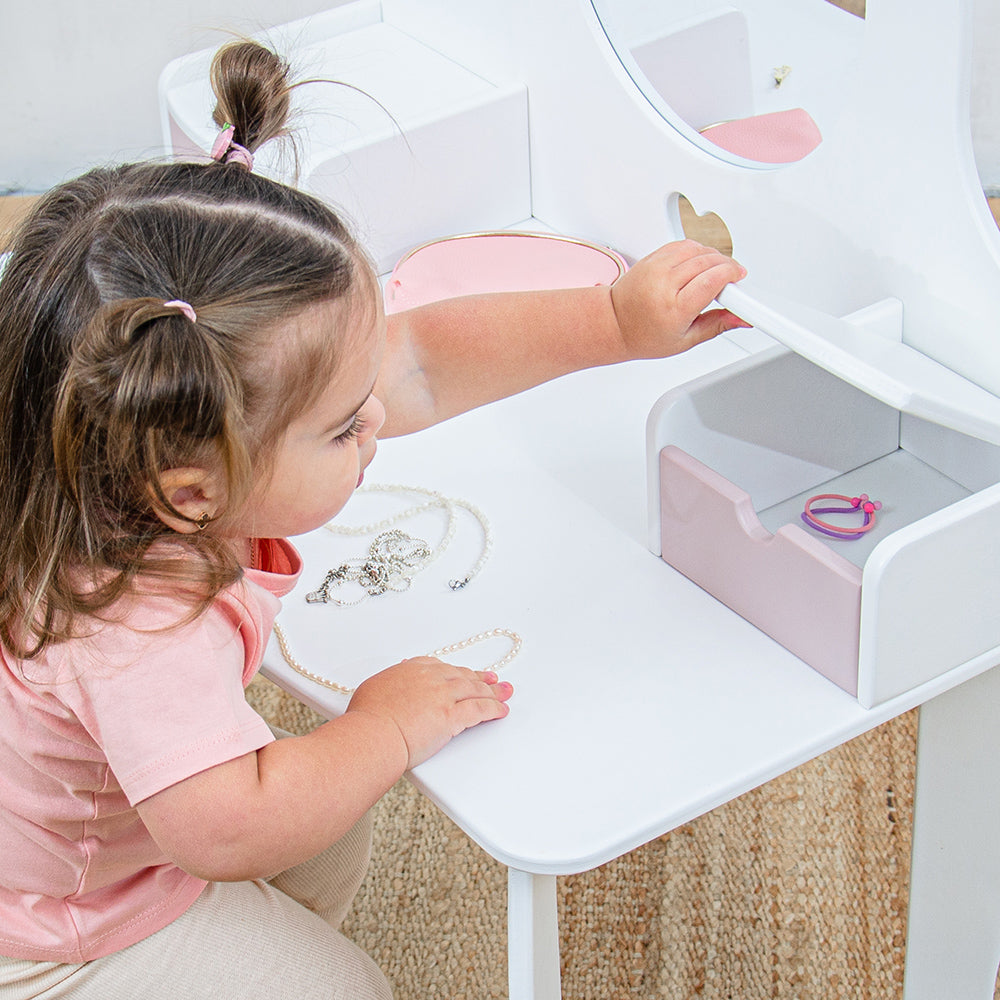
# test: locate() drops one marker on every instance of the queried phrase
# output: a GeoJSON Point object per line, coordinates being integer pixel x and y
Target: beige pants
{"type": "Point", "coordinates": [274, 940]}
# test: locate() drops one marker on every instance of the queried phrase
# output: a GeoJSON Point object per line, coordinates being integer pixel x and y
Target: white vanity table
{"type": "Point", "coordinates": [623, 661]}
{"type": "Point", "coordinates": [624, 658]}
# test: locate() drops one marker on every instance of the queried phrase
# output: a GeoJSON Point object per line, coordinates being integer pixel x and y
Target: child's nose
{"type": "Point", "coordinates": [374, 418]}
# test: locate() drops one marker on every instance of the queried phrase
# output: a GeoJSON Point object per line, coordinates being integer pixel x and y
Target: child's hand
{"type": "Point", "coordinates": [431, 701]}
{"type": "Point", "coordinates": [659, 301]}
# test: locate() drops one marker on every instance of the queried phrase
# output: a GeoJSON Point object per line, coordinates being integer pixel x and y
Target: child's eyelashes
{"type": "Point", "coordinates": [356, 427]}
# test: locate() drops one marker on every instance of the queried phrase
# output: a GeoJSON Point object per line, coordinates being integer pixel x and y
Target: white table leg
{"type": "Point", "coordinates": [532, 937]}
{"type": "Point", "coordinates": [953, 937]}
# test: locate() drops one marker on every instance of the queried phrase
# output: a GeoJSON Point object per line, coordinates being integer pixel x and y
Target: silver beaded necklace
{"type": "Point", "coordinates": [394, 557]}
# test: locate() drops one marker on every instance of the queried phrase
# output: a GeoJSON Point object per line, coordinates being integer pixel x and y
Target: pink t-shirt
{"type": "Point", "coordinates": [96, 725]}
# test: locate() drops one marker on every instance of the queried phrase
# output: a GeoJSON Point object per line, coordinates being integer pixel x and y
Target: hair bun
{"type": "Point", "coordinates": [252, 86]}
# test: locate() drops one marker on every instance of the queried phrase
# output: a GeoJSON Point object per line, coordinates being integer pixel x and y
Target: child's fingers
{"type": "Point", "coordinates": [714, 269]}
{"type": "Point", "coordinates": [478, 696]}
{"type": "Point", "coordinates": [686, 259]}
{"type": "Point", "coordinates": [710, 324]}
{"type": "Point", "coordinates": [701, 278]}
{"type": "Point", "coordinates": [483, 683]}
{"type": "Point", "coordinates": [502, 689]}
{"type": "Point", "coordinates": [471, 711]}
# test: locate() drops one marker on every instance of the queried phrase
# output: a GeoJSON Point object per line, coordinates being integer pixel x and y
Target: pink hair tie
{"type": "Point", "coordinates": [863, 502]}
{"type": "Point", "coordinates": [227, 151]}
{"type": "Point", "coordinates": [184, 307]}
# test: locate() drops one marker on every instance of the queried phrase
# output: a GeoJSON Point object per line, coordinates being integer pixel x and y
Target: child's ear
{"type": "Point", "coordinates": [192, 492]}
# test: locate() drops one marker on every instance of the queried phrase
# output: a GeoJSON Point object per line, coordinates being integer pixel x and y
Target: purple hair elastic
{"type": "Point", "coordinates": [866, 505]}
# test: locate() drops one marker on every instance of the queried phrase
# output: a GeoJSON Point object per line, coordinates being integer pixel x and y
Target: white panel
{"type": "Point", "coordinates": [709, 87]}
{"type": "Point", "coordinates": [929, 598]}
{"type": "Point", "coordinates": [969, 461]}
{"type": "Point", "coordinates": [467, 171]}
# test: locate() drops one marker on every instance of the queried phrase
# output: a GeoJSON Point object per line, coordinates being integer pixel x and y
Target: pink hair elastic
{"type": "Point", "coordinates": [862, 503]}
{"type": "Point", "coordinates": [185, 307]}
{"type": "Point", "coordinates": [227, 151]}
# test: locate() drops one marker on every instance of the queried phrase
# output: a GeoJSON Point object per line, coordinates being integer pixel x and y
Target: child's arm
{"type": "Point", "coordinates": [451, 356]}
{"type": "Point", "coordinates": [266, 811]}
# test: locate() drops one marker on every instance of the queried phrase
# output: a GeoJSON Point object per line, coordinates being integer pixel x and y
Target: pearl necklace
{"type": "Point", "coordinates": [516, 643]}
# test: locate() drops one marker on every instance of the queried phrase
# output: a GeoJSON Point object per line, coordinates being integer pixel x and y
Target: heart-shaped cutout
{"type": "Point", "coordinates": [708, 229]}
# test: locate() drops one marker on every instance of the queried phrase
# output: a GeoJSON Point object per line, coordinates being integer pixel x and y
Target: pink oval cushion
{"type": "Point", "coordinates": [497, 262]}
{"type": "Point", "coordinates": [778, 137]}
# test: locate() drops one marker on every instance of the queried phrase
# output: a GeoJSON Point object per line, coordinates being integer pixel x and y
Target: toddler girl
{"type": "Point", "coordinates": [195, 365]}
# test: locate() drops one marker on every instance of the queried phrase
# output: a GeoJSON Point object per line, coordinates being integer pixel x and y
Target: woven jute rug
{"type": "Point", "coordinates": [796, 890]}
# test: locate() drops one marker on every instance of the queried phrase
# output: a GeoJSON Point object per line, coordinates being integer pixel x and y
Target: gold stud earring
{"type": "Point", "coordinates": [202, 520]}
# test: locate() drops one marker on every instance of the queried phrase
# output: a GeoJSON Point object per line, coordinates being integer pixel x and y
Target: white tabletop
{"type": "Point", "coordinates": [640, 701]}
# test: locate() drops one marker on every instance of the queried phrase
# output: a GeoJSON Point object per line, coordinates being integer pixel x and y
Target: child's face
{"type": "Point", "coordinates": [321, 458]}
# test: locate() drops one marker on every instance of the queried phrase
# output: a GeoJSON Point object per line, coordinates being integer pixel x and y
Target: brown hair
{"type": "Point", "coordinates": [105, 386]}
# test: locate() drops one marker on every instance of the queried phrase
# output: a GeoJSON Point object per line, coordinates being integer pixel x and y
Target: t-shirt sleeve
{"type": "Point", "coordinates": [176, 707]}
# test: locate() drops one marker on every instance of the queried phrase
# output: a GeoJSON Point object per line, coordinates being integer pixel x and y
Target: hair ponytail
{"type": "Point", "coordinates": [253, 89]}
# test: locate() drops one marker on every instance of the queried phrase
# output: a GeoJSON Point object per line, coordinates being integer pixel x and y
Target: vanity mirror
{"type": "Point", "coordinates": [753, 83]}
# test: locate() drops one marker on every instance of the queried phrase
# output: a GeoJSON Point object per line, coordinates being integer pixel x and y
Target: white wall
{"type": "Point", "coordinates": [78, 77]}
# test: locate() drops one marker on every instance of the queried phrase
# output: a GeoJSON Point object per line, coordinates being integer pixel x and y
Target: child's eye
{"type": "Point", "coordinates": [357, 425]}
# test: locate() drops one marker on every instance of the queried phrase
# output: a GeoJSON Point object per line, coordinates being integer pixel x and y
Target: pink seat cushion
{"type": "Point", "coordinates": [778, 137]}
{"type": "Point", "coordinates": [497, 262]}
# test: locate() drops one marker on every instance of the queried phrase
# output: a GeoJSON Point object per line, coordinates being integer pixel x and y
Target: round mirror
{"type": "Point", "coordinates": [751, 82]}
